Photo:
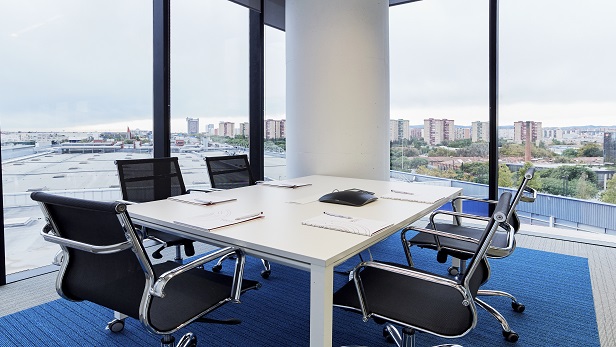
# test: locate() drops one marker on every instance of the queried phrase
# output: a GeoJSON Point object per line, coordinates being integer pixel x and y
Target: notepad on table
{"type": "Point", "coordinates": [284, 184]}
{"type": "Point", "coordinates": [361, 226]}
{"type": "Point", "coordinates": [408, 196]}
{"type": "Point", "coordinates": [200, 199]}
{"type": "Point", "coordinates": [217, 219]}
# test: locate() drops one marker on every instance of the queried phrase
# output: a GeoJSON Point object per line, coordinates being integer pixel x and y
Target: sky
{"type": "Point", "coordinates": [86, 65]}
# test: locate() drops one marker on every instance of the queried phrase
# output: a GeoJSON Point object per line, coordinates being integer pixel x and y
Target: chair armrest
{"type": "Point", "coordinates": [158, 287]}
{"type": "Point", "coordinates": [48, 236]}
{"type": "Point", "coordinates": [441, 233]}
{"type": "Point", "coordinates": [472, 198]}
{"type": "Point", "coordinates": [532, 197]}
{"type": "Point", "coordinates": [410, 272]}
{"type": "Point", "coordinates": [457, 215]}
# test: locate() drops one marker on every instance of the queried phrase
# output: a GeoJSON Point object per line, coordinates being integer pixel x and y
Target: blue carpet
{"type": "Point", "coordinates": [555, 289]}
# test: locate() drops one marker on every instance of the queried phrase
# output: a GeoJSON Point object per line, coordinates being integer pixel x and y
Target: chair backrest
{"type": "Point", "coordinates": [103, 260]}
{"type": "Point", "coordinates": [228, 172]}
{"type": "Point", "coordinates": [474, 275]}
{"type": "Point", "coordinates": [143, 180]}
{"type": "Point", "coordinates": [524, 193]}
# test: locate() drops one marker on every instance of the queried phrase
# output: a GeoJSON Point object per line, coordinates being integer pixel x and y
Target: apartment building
{"type": "Point", "coordinates": [274, 129]}
{"type": "Point", "coordinates": [226, 129]}
{"type": "Point", "coordinates": [463, 133]}
{"type": "Point", "coordinates": [522, 128]}
{"type": "Point", "coordinates": [438, 130]}
{"type": "Point", "coordinates": [244, 129]}
{"type": "Point", "coordinates": [398, 129]}
{"type": "Point", "coordinates": [480, 131]}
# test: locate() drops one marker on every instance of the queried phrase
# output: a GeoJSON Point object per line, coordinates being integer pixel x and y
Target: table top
{"type": "Point", "coordinates": [280, 235]}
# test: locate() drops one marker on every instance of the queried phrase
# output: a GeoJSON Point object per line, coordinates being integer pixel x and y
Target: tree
{"type": "Point", "coordinates": [423, 170]}
{"type": "Point", "coordinates": [477, 149]}
{"type": "Point", "coordinates": [585, 189]}
{"type": "Point", "coordinates": [591, 150]}
{"type": "Point", "coordinates": [609, 195]}
{"type": "Point", "coordinates": [570, 173]}
{"type": "Point", "coordinates": [460, 143]}
{"type": "Point", "coordinates": [505, 176]}
{"type": "Point", "coordinates": [475, 172]}
{"type": "Point", "coordinates": [570, 152]}
{"type": "Point", "coordinates": [552, 186]}
{"type": "Point", "coordinates": [417, 162]}
{"type": "Point", "coordinates": [512, 150]}
{"type": "Point", "coordinates": [441, 152]}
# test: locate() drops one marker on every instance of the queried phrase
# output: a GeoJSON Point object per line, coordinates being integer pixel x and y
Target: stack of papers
{"type": "Point", "coordinates": [360, 226]}
{"type": "Point", "coordinates": [218, 219]}
{"type": "Point", "coordinates": [200, 199]}
{"type": "Point", "coordinates": [408, 196]}
{"type": "Point", "coordinates": [284, 184]}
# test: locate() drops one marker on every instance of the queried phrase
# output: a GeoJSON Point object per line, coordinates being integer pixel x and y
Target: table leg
{"type": "Point", "coordinates": [321, 305]}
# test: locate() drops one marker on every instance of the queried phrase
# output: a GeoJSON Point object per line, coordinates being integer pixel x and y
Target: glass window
{"type": "Point", "coordinates": [439, 92]}
{"type": "Point", "coordinates": [209, 84]}
{"type": "Point", "coordinates": [557, 96]}
{"type": "Point", "coordinates": [76, 95]}
{"type": "Point", "coordinates": [275, 105]}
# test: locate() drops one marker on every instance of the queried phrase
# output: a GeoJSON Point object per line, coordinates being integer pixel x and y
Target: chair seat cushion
{"type": "Point", "coordinates": [417, 303]}
{"type": "Point", "coordinates": [189, 295]}
{"type": "Point", "coordinates": [461, 249]}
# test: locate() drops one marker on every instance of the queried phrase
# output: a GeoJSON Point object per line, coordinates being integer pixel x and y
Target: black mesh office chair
{"type": "Point", "coordinates": [502, 245]}
{"type": "Point", "coordinates": [103, 262]}
{"type": "Point", "coordinates": [227, 172]}
{"type": "Point", "coordinates": [143, 180]}
{"type": "Point", "coordinates": [420, 300]}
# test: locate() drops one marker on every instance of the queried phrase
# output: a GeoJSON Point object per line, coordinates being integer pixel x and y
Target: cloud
{"type": "Point", "coordinates": [74, 63]}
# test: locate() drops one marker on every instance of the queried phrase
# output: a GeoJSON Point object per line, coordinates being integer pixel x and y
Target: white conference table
{"type": "Point", "coordinates": [281, 238]}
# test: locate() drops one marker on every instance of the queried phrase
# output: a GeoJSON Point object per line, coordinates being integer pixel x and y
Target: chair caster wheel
{"type": "Point", "coordinates": [116, 325]}
{"type": "Point", "coordinates": [518, 307]}
{"type": "Point", "coordinates": [453, 270]}
{"type": "Point", "coordinates": [511, 336]}
{"type": "Point", "coordinates": [266, 273]}
{"type": "Point", "coordinates": [387, 336]}
{"type": "Point", "coordinates": [188, 340]}
{"type": "Point", "coordinates": [216, 268]}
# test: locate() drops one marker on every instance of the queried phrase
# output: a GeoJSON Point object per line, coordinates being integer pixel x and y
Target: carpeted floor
{"type": "Point", "coordinates": [555, 289]}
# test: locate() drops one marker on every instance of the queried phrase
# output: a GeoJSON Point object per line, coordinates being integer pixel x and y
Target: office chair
{"type": "Point", "coordinates": [502, 245]}
{"type": "Point", "coordinates": [103, 262]}
{"type": "Point", "coordinates": [227, 172]}
{"type": "Point", "coordinates": [420, 300]}
{"type": "Point", "coordinates": [143, 180]}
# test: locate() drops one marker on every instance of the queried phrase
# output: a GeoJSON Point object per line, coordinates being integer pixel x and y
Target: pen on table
{"type": "Point", "coordinates": [207, 202]}
{"type": "Point", "coordinates": [249, 216]}
{"type": "Point", "coordinates": [401, 192]}
{"type": "Point", "coordinates": [337, 215]}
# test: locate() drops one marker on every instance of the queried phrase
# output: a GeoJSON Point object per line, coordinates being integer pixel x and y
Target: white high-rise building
{"type": "Point", "coordinates": [480, 131]}
{"type": "Point", "coordinates": [398, 129]}
{"type": "Point", "coordinates": [226, 129]}
{"type": "Point", "coordinates": [192, 125]}
{"type": "Point", "coordinates": [438, 130]}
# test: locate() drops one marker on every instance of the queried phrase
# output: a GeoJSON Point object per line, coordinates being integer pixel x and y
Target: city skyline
{"type": "Point", "coordinates": [553, 63]}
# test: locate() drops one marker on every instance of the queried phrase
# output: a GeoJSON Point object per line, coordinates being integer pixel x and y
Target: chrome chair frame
{"type": "Point", "coordinates": [509, 227]}
{"type": "Point", "coordinates": [154, 286]}
{"type": "Point", "coordinates": [462, 286]}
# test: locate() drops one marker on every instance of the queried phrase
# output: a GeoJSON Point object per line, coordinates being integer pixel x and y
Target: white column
{"type": "Point", "coordinates": [337, 119]}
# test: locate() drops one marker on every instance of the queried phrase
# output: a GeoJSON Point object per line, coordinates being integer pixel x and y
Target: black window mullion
{"type": "Point", "coordinates": [256, 91]}
{"type": "Point", "coordinates": [162, 78]}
